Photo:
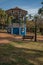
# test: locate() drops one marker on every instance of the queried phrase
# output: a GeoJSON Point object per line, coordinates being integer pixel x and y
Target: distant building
{"type": "Point", "coordinates": [17, 27]}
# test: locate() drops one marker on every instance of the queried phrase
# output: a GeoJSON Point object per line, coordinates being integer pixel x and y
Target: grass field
{"type": "Point", "coordinates": [21, 53]}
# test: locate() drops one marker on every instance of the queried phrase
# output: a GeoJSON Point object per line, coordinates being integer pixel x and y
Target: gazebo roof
{"type": "Point", "coordinates": [17, 9]}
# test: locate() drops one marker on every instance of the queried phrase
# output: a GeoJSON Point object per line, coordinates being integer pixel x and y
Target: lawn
{"type": "Point", "coordinates": [21, 53]}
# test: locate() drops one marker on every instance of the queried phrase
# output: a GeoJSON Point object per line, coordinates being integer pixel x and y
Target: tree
{"type": "Point", "coordinates": [2, 17]}
{"type": "Point", "coordinates": [40, 11]}
{"type": "Point", "coordinates": [40, 18]}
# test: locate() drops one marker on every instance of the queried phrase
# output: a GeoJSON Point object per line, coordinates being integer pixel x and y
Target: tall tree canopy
{"type": "Point", "coordinates": [2, 16]}
{"type": "Point", "coordinates": [40, 11]}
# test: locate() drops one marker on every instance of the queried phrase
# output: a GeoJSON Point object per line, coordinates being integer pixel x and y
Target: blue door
{"type": "Point", "coordinates": [16, 31]}
{"type": "Point", "coordinates": [23, 31]}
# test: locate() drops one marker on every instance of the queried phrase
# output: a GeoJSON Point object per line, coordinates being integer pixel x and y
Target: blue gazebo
{"type": "Point", "coordinates": [18, 25]}
{"type": "Point", "coordinates": [17, 28]}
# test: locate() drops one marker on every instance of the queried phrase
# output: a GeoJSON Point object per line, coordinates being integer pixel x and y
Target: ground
{"type": "Point", "coordinates": [15, 51]}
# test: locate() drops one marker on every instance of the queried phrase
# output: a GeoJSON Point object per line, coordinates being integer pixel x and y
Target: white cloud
{"type": "Point", "coordinates": [32, 11]}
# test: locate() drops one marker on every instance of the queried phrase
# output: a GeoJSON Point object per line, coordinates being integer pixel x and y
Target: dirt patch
{"type": "Point", "coordinates": [7, 38]}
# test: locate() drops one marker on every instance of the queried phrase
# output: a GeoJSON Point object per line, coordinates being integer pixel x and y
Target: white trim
{"type": "Point", "coordinates": [19, 30]}
{"type": "Point", "coordinates": [11, 30]}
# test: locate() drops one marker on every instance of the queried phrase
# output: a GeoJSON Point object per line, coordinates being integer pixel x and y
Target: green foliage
{"type": "Point", "coordinates": [40, 10]}
{"type": "Point", "coordinates": [3, 17]}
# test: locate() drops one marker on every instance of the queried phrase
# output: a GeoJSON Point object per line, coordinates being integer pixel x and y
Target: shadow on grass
{"type": "Point", "coordinates": [10, 55]}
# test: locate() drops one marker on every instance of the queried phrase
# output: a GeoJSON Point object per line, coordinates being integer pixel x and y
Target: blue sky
{"type": "Point", "coordinates": [31, 6]}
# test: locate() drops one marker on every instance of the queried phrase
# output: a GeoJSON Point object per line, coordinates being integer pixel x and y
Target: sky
{"type": "Point", "coordinates": [31, 6]}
